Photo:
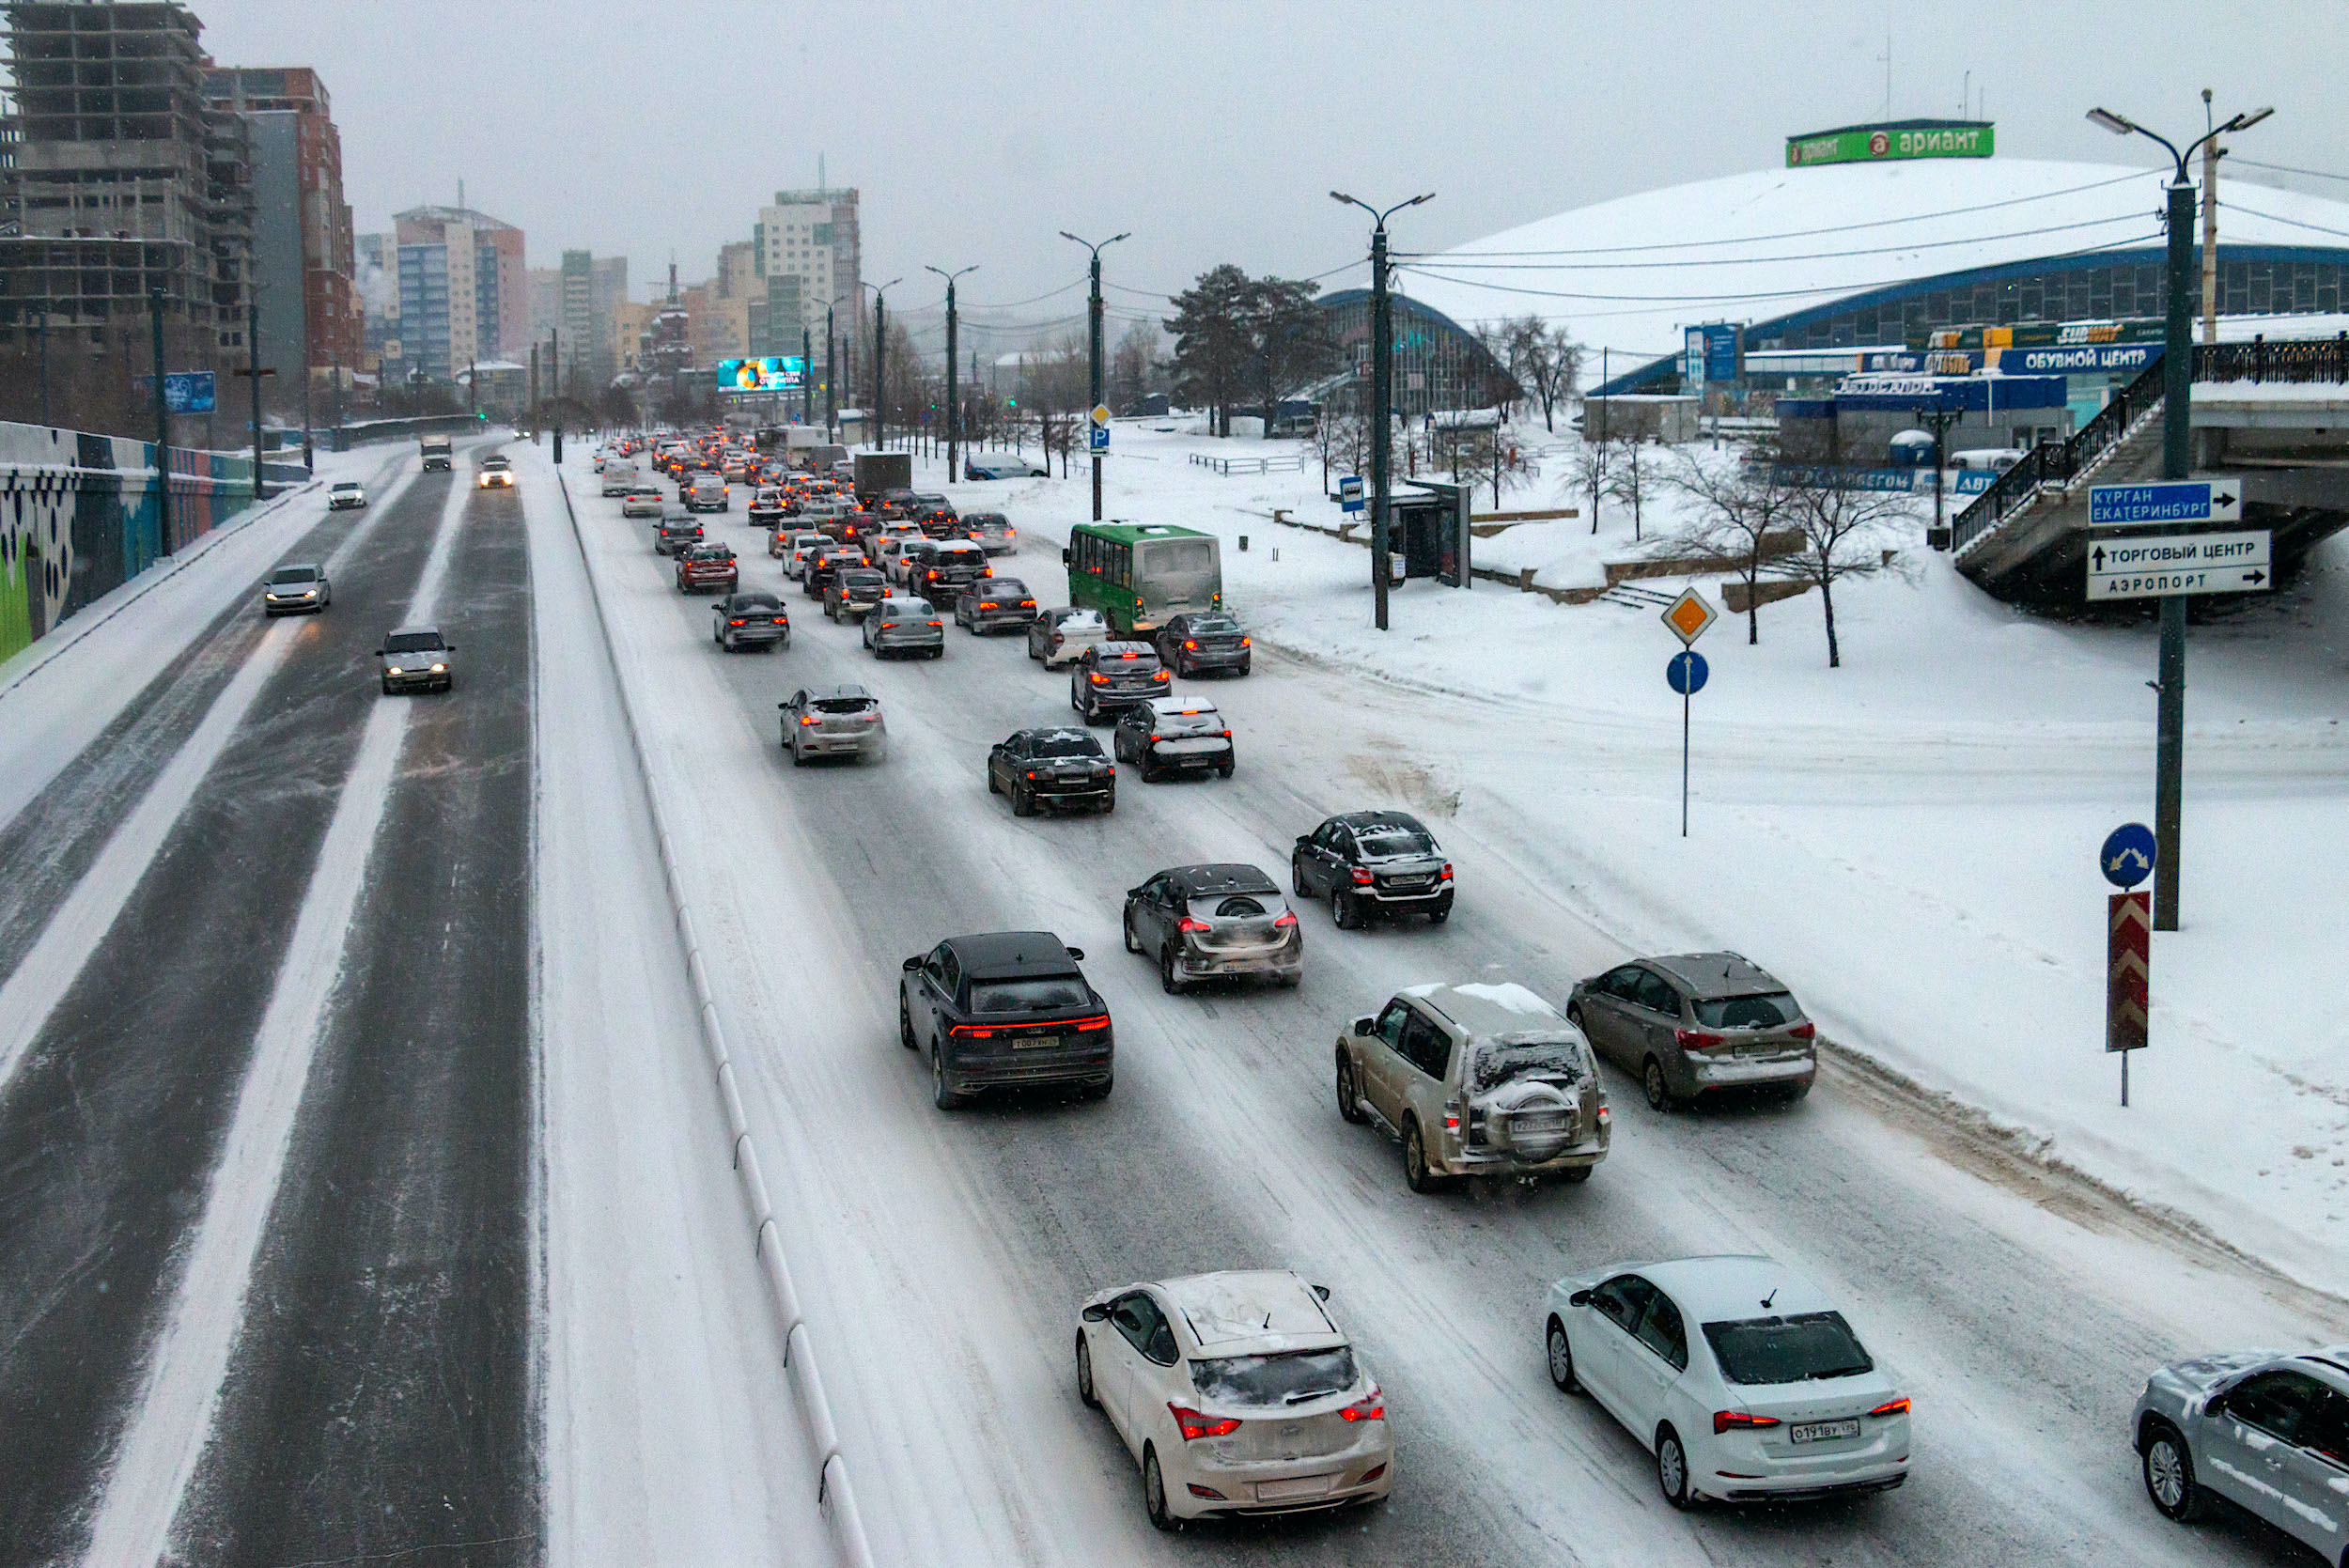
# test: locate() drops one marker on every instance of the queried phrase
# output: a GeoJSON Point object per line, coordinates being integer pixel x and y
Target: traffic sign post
{"type": "Point", "coordinates": [2169, 500]}
{"type": "Point", "coordinates": [1350, 493]}
{"type": "Point", "coordinates": [2153, 566]}
{"type": "Point", "coordinates": [1688, 616]}
{"type": "Point", "coordinates": [2126, 860]}
{"type": "Point", "coordinates": [1097, 439]}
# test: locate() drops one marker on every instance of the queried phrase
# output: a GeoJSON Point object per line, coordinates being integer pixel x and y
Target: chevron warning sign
{"type": "Point", "coordinates": [2129, 939]}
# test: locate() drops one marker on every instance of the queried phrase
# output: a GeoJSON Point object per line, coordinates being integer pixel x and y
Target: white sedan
{"type": "Point", "coordinates": [1235, 1394]}
{"type": "Point", "coordinates": [346, 495]}
{"type": "Point", "coordinates": [1741, 1378]}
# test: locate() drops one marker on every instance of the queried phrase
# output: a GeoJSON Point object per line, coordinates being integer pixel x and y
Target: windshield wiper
{"type": "Point", "coordinates": [1301, 1395]}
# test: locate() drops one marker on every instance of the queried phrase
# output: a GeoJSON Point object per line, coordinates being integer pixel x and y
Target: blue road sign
{"type": "Point", "coordinates": [1097, 439]}
{"type": "Point", "coordinates": [1350, 493]}
{"type": "Point", "coordinates": [184, 391]}
{"type": "Point", "coordinates": [1686, 672]}
{"type": "Point", "coordinates": [2127, 856]}
{"type": "Point", "coordinates": [2178, 501]}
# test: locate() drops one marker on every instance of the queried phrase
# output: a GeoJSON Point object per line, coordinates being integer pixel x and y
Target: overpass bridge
{"type": "Point", "coordinates": [2270, 417]}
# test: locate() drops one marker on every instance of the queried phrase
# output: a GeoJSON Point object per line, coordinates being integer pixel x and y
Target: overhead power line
{"type": "Point", "coordinates": [2241, 162]}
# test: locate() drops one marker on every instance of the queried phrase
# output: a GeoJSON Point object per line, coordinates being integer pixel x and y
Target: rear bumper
{"type": "Point", "coordinates": [1417, 902]}
{"type": "Point", "coordinates": [1243, 1483]}
{"type": "Point", "coordinates": [1732, 1073]}
{"type": "Point", "coordinates": [1090, 1065]}
{"type": "Point", "coordinates": [1000, 547]}
{"type": "Point", "coordinates": [902, 644]}
{"type": "Point", "coordinates": [1200, 761]}
{"type": "Point", "coordinates": [1286, 962]}
{"type": "Point", "coordinates": [841, 745]}
{"type": "Point", "coordinates": [1805, 1489]}
{"type": "Point", "coordinates": [1054, 792]}
{"type": "Point", "coordinates": [1501, 1162]}
{"type": "Point", "coordinates": [1001, 620]}
{"type": "Point", "coordinates": [761, 634]}
{"type": "Point", "coordinates": [1216, 659]}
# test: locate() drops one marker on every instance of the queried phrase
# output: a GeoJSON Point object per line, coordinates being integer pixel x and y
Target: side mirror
{"type": "Point", "coordinates": [1304, 841]}
{"type": "Point", "coordinates": [911, 964]}
{"type": "Point", "coordinates": [1322, 1292]}
{"type": "Point", "coordinates": [1063, 557]}
{"type": "Point", "coordinates": [448, 648]}
{"type": "Point", "coordinates": [379, 653]}
{"type": "Point", "coordinates": [1365, 1026]}
{"type": "Point", "coordinates": [1078, 953]}
{"type": "Point", "coordinates": [1580, 1298]}
{"type": "Point", "coordinates": [1097, 1312]}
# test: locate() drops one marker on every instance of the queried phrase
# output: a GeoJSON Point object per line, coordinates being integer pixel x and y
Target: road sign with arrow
{"type": "Point", "coordinates": [2169, 500]}
{"type": "Point", "coordinates": [2153, 566]}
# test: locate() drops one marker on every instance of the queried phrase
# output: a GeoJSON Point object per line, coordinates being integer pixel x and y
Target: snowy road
{"type": "Point", "coordinates": [947, 1252]}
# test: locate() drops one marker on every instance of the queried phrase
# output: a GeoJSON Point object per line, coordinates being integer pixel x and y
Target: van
{"type": "Point", "coordinates": [1988, 460]}
{"type": "Point", "coordinates": [620, 475]}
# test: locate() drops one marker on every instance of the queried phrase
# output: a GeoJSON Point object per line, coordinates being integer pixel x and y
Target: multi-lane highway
{"type": "Point", "coordinates": [363, 1194]}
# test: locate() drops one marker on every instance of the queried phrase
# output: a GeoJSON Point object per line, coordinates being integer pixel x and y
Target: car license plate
{"type": "Point", "coordinates": [1822, 1431]}
{"type": "Point", "coordinates": [1038, 1042]}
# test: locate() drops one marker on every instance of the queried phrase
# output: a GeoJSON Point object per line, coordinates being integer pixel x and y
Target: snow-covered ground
{"type": "Point", "coordinates": [1908, 840]}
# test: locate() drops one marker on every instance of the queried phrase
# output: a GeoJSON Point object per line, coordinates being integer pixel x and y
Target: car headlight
{"type": "Point", "coordinates": [440, 669]}
{"type": "Point", "coordinates": [395, 670]}
{"type": "Point", "coordinates": [309, 593]}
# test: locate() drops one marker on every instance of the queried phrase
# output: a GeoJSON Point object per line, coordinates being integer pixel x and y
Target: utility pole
{"type": "Point", "coordinates": [309, 453]}
{"type": "Point", "coordinates": [1093, 316]}
{"type": "Point", "coordinates": [2177, 432]}
{"type": "Point", "coordinates": [534, 394]}
{"type": "Point", "coordinates": [1381, 393]}
{"type": "Point", "coordinates": [954, 407]}
{"type": "Point", "coordinates": [554, 359]}
{"type": "Point", "coordinates": [2209, 231]}
{"type": "Point", "coordinates": [163, 427]}
{"type": "Point", "coordinates": [472, 389]}
{"type": "Point", "coordinates": [807, 374]}
{"type": "Point", "coordinates": [253, 372]}
{"type": "Point", "coordinates": [877, 423]}
{"type": "Point", "coordinates": [832, 382]}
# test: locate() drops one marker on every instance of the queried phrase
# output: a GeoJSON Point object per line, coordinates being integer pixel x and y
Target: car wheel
{"type": "Point", "coordinates": [1795, 1094]}
{"type": "Point", "coordinates": [1579, 1173]}
{"type": "Point", "coordinates": [1562, 1360]}
{"type": "Point", "coordinates": [799, 758]}
{"type": "Point", "coordinates": [1349, 1094]}
{"type": "Point", "coordinates": [1084, 1373]}
{"type": "Point", "coordinates": [1437, 917]}
{"type": "Point", "coordinates": [1659, 1094]}
{"type": "Point", "coordinates": [1344, 910]}
{"type": "Point", "coordinates": [387, 685]}
{"type": "Point", "coordinates": [1023, 800]}
{"type": "Point", "coordinates": [1131, 944]}
{"type": "Point", "coordinates": [1671, 1467]}
{"type": "Point", "coordinates": [2169, 1475]}
{"type": "Point", "coordinates": [1168, 981]}
{"type": "Point", "coordinates": [1416, 1174]}
{"type": "Point", "coordinates": [1149, 769]}
{"type": "Point", "coordinates": [1154, 1491]}
{"type": "Point", "coordinates": [1225, 772]}
{"type": "Point", "coordinates": [947, 1097]}
{"type": "Point", "coordinates": [905, 1022]}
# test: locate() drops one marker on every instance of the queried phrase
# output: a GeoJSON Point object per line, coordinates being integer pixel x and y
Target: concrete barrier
{"type": "Point", "coordinates": [833, 1497]}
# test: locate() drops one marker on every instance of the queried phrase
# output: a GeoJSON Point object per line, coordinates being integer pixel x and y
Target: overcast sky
{"type": "Point", "coordinates": [978, 128]}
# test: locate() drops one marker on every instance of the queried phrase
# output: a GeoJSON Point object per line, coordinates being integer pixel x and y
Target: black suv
{"type": "Point", "coordinates": [676, 532]}
{"type": "Point", "coordinates": [953, 565]}
{"type": "Point", "coordinates": [1109, 677]}
{"type": "Point", "coordinates": [1007, 1010]}
{"type": "Point", "coordinates": [826, 563]}
{"type": "Point", "coordinates": [1368, 863]}
{"type": "Point", "coordinates": [1055, 767]}
{"type": "Point", "coordinates": [1209, 640]}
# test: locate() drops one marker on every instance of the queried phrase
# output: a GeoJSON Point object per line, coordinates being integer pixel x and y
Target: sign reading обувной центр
{"type": "Point", "coordinates": [1895, 140]}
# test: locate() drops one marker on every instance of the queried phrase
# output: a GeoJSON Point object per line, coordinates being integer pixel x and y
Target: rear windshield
{"type": "Point", "coordinates": [1213, 626]}
{"type": "Point", "coordinates": [1034, 994]}
{"type": "Point", "coordinates": [412, 642]}
{"type": "Point", "coordinates": [1274, 1382]}
{"type": "Point", "coordinates": [842, 705]}
{"type": "Point", "coordinates": [1768, 1010]}
{"type": "Point", "coordinates": [984, 520]}
{"type": "Point", "coordinates": [294, 574]}
{"type": "Point", "coordinates": [1067, 746]}
{"type": "Point", "coordinates": [753, 601]}
{"type": "Point", "coordinates": [863, 577]}
{"type": "Point", "coordinates": [1806, 1348]}
{"type": "Point", "coordinates": [1006, 587]}
{"type": "Point", "coordinates": [1235, 905]}
{"type": "Point", "coordinates": [1497, 1062]}
{"type": "Point", "coordinates": [965, 555]}
{"type": "Point", "coordinates": [1386, 843]}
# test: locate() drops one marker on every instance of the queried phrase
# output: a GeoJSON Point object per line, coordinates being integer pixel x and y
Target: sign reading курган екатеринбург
{"type": "Point", "coordinates": [2169, 500]}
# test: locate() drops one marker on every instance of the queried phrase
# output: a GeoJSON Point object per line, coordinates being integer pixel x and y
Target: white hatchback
{"type": "Point", "coordinates": [1235, 1394]}
{"type": "Point", "coordinates": [1741, 1378]}
{"type": "Point", "coordinates": [795, 549]}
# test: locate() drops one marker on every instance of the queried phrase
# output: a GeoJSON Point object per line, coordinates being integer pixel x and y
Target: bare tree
{"type": "Point", "coordinates": [1505, 463]}
{"type": "Point", "coordinates": [1553, 366]}
{"type": "Point", "coordinates": [1741, 515]}
{"type": "Point", "coordinates": [1592, 467]}
{"type": "Point", "coordinates": [1343, 441]}
{"type": "Point", "coordinates": [1631, 479]}
{"type": "Point", "coordinates": [1841, 529]}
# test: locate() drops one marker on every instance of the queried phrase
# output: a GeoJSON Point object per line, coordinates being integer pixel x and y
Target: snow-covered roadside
{"type": "Point", "coordinates": [1907, 840]}
{"type": "Point", "coordinates": [59, 694]}
{"type": "Point", "coordinates": [670, 1437]}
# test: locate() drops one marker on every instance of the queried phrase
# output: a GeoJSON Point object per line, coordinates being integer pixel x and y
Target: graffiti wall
{"type": "Point", "coordinates": [80, 516]}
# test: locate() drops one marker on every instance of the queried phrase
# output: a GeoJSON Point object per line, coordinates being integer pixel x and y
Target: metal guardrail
{"type": "Point", "coordinates": [1292, 463]}
{"type": "Point", "coordinates": [2303, 361]}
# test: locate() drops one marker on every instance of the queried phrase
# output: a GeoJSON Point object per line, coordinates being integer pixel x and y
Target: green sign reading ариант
{"type": "Point", "coordinates": [1873, 143]}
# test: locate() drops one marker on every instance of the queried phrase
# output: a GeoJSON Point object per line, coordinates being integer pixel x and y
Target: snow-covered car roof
{"type": "Point", "coordinates": [1717, 974]}
{"type": "Point", "coordinates": [1731, 1289]}
{"type": "Point", "coordinates": [1504, 1008]}
{"type": "Point", "coordinates": [1184, 704]}
{"type": "Point", "coordinates": [1251, 1311]}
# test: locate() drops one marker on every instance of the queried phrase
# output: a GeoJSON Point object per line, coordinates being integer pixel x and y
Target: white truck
{"type": "Point", "coordinates": [439, 454]}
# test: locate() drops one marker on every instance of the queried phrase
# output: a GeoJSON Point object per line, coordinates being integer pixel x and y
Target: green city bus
{"type": "Point", "coordinates": [1138, 575]}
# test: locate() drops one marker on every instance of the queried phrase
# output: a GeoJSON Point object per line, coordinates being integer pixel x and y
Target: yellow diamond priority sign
{"type": "Point", "coordinates": [1100, 413]}
{"type": "Point", "coordinates": [1688, 615]}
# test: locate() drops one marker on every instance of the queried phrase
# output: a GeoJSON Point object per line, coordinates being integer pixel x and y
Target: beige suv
{"type": "Point", "coordinates": [1476, 1080]}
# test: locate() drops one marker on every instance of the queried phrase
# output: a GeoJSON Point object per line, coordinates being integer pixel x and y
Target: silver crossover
{"type": "Point", "coordinates": [897, 626]}
{"type": "Point", "coordinates": [832, 722]}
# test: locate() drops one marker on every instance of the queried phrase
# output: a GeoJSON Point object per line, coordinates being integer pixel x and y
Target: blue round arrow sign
{"type": "Point", "coordinates": [1686, 672]}
{"type": "Point", "coordinates": [2127, 856]}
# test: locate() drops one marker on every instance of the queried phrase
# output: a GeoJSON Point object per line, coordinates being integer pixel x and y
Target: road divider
{"type": "Point", "coordinates": [835, 1497]}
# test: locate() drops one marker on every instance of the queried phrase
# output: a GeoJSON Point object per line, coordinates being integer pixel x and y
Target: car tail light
{"type": "Point", "coordinates": [940, 624]}
{"type": "Point", "coordinates": [1099, 1021]}
{"type": "Point", "coordinates": [1372, 1407]}
{"type": "Point", "coordinates": [1227, 735]}
{"type": "Point", "coordinates": [1445, 876]}
{"type": "Point", "coordinates": [1362, 879]}
{"type": "Point", "coordinates": [733, 623]}
{"type": "Point", "coordinates": [1191, 924]}
{"type": "Point", "coordinates": [1804, 1031]}
{"type": "Point", "coordinates": [1892, 1407]}
{"type": "Point", "coordinates": [782, 621]}
{"type": "Point", "coordinates": [970, 1031]}
{"type": "Point", "coordinates": [809, 719]}
{"type": "Point", "coordinates": [1372, 1474]}
{"type": "Point", "coordinates": [1606, 1115]}
{"type": "Point", "coordinates": [1288, 918]}
{"type": "Point", "coordinates": [1027, 604]}
{"type": "Point", "coordinates": [989, 604]}
{"type": "Point", "coordinates": [1193, 1425]}
{"type": "Point", "coordinates": [1208, 1491]}
{"type": "Point", "coordinates": [1695, 1039]}
{"type": "Point", "coordinates": [1736, 1420]}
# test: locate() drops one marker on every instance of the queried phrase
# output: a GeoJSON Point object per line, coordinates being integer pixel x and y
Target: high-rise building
{"type": "Point", "coordinates": [546, 302]}
{"type": "Point", "coordinates": [486, 280]}
{"type": "Point", "coordinates": [607, 291]}
{"type": "Point", "coordinates": [377, 278]}
{"type": "Point", "coordinates": [119, 176]}
{"type": "Point", "coordinates": [631, 334]}
{"type": "Point", "coordinates": [304, 250]}
{"type": "Point", "coordinates": [810, 256]}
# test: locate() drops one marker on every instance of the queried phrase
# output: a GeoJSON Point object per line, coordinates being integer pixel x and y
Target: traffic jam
{"type": "Point", "coordinates": [1240, 1392]}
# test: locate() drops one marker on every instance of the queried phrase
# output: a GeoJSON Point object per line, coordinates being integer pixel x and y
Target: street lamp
{"type": "Point", "coordinates": [878, 423]}
{"type": "Point", "coordinates": [954, 409]}
{"type": "Point", "coordinates": [1381, 389]}
{"type": "Point", "coordinates": [1094, 337]}
{"type": "Point", "coordinates": [2177, 391]}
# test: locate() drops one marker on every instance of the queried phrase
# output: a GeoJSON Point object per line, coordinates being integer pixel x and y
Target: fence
{"type": "Point", "coordinates": [80, 516]}
{"type": "Point", "coordinates": [2323, 359]}
{"type": "Point", "coordinates": [1293, 462]}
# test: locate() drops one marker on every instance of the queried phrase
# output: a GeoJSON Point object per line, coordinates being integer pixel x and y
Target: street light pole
{"type": "Point", "coordinates": [807, 374]}
{"type": "Point", "coordinates": [832, 381]}
{"type": "Point", "coordinates": [1093, 336]}
{"type": "Point", "coordinates": [954, 408]}
{"type": "Point", "coordinates": [877, 425]}
{"type": "Point", "coordinates": [1381, 392]}
{"type": "Point", "coordinates": [163, 428]}
{"type": "Point", "coordinates": [2177, 432]}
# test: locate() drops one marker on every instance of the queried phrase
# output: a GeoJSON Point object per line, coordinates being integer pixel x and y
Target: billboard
{"type": "Point", "coordinates": [1889, 143]}
{"type": "Point", "coordinates": [1709, 354]}
{"type": "Point", "coordinates": [761, 375]}
{"type": "Point", "coordinates": [184, 391]}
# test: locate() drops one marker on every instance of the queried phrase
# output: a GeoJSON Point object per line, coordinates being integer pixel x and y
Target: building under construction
{"type": "Point", "coordinates": [117, 177]}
